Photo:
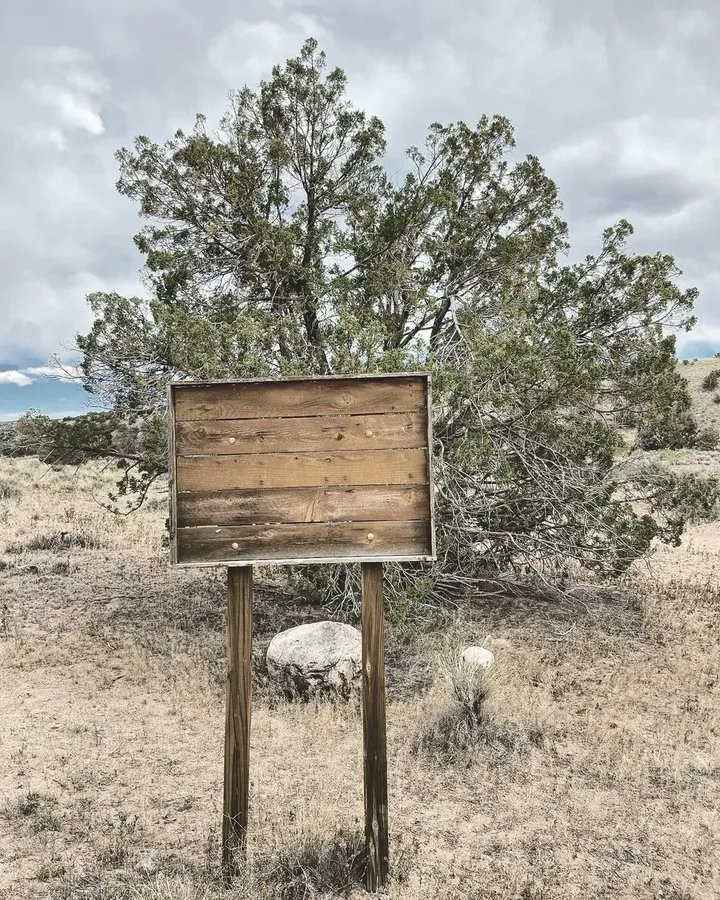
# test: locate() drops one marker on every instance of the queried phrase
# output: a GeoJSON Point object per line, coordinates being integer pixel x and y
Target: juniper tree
{"type": "Point", "coordinates": [278, 243]}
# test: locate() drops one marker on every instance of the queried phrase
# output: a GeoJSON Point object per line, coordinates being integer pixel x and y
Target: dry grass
{"type": "Point", "coordinates": [464, 717]}
{"type": "Point", "coordinates": [585, 764]}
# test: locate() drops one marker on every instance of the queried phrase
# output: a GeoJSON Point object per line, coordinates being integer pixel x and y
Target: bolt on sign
{"type": "Point", "coordinates": [302, 470]}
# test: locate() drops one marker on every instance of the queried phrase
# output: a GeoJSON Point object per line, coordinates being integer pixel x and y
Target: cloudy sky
{"type": "Point", "coordinates": [620, 100]}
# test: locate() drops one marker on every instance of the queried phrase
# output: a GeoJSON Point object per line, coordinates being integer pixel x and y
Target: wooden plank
{"type": "Point", "coordinates": [233, 436]}
{"type": "Point", "coordinates": [363, 503]}
{"type": "Point", "coordinates": [172, 487]}
{"type": "Point", "coordinates": [431, 480]}
{"type": "Point", "coordinates": [269, 470]}
{"type": "Point", "coordinates": [374, 731]}
{"type": "Point", "coordinates": [357, 540]}
{"type": "Point", "coordinates": [237, 719]}
{"type": "Point", "coordinates": [301, 561]}
{"type": "Point", "coordinates": [251, 400]}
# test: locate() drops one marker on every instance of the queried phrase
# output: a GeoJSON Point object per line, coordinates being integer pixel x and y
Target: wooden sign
{"type": "Point", "coordinates": [301, 470]}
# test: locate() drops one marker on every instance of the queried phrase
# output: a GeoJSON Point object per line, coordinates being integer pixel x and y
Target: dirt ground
{"type": "Point", "coordinates": [599, 776]}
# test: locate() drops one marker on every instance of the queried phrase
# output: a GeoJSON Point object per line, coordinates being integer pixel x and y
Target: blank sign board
{"type": "Point", "coordinates": [332, 469]}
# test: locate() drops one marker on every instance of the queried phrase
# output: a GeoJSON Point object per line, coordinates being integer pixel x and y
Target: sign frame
{"type": "Point", "coordinates": [260, 560]}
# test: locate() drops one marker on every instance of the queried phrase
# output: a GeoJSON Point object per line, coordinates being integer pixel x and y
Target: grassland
{"type": "Point", "coordinates": [594, 771]}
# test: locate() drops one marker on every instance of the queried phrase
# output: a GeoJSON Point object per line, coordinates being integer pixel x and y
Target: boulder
{"type": "Point", "coordinates": [315, 659]}
{"type": "Point", "coordinates": [478, 657]}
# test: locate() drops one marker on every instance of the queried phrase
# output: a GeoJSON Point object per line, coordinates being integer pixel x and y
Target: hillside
{"type": "Point", "coordinates": [707, 411]}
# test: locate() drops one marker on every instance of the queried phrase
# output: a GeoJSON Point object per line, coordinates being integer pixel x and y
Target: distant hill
{"type": "Point", "coordinates": [707, 412]}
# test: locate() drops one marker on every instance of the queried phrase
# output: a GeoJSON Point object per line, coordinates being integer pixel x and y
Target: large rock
{"type": "Point", "coordinates": [320, 658]}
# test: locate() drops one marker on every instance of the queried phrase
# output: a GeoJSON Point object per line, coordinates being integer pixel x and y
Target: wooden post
{"type": "Point", "coordinates": [237, 719]}
{"type": "Point", "coordinates": [375, 752]}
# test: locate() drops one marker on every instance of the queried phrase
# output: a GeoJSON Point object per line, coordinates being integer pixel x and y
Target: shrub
{"type": "Point", "coordinates": [463, 724]}
{"type": "Point", "coordinates": [711, 380]}
{"type": "Point", "coordinates": [708, 439]}
{"type": "Point", "coordinates": [460, 724]}
{"type": "Point", "coordinates": [309, 864]}
{"type": "Point", "coordinates": [9, 489]}
{"type": "Point", "coordinates": [36, 810]}
{"type": "Point", "coordinates": [675, 430]}
{"type": "Point", "coordinates": [454, 267]}
{"type": "Point", "coordinates": [59, 540]}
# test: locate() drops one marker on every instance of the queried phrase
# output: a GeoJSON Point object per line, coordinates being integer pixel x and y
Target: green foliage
{"type": "Point", "coordinates": [278, 244]}
{"type": "Point", "coordinates": [27, 436]}
{"type": "Point", "coordinates": [711, 380]}
{"type": "Point", "coordinates": [67, 441]}
{"type": "Point", "coordinates": [408, 595]}
{"type": "Point", "coordinates": [670, 423]}
{"type": "Point", "coordinates": [708, 439]}
{"type": "Point", "coordinates": [75, 440]}
{"type": "Point", "coordinates": [674, 500]}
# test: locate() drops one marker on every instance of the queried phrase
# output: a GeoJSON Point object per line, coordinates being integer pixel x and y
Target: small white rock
{"type": "Point", "coordinates": [478, 656]}
{"type": "Point", "coordinates": [148, 865]}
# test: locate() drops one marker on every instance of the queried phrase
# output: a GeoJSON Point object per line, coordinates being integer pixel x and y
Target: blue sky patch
{"type": "Point", "coordinates": [49, 396]}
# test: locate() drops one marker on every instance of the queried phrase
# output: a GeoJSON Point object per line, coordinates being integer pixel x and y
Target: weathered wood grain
{"type": "Point", "coordinates": [337, 458]}
{"type": "Point", "coordinates": [250, 400]}
{"type": "Point", "coordinates": [429, 444]}
{"type": "Point", "coordinates": [237, 719]}
{"type": "Point", "coordinates": [233, 436]}
{"type": "Point", "coordinates": [172, 487]}
{"type": "Point", "coordinates": [312, 540]}
{"type": "Point", "coordinates": [360, 503]}
{"type": "Point", "coordinates": [266, 470]}
{"type": "Point", "coordinates": [374, 737]}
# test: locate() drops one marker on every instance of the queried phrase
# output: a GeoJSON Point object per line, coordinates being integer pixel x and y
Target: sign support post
{"type": "Point", "coordinates": [374, 736]}
{"type": "Point", "coordinates": [237, 719]}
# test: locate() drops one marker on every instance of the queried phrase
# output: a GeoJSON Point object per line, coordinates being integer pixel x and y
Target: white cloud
{"type": "Point", "coordinates": [245, 51]}
{"type": "Point", "coordinates": [61, 93]}
{"type": "Point", "coordinates": [58, 371]}
{"type": "Point", "coordinates": [61, 371]}
{"type": "Point", "coordinates": [688, 146]}
{"type": "Point", "coordinates": [11, 376]}
{"type": "Point", "coordinates": [77, 112]}
{"type": "Point", "coordinates": [47, 316]}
